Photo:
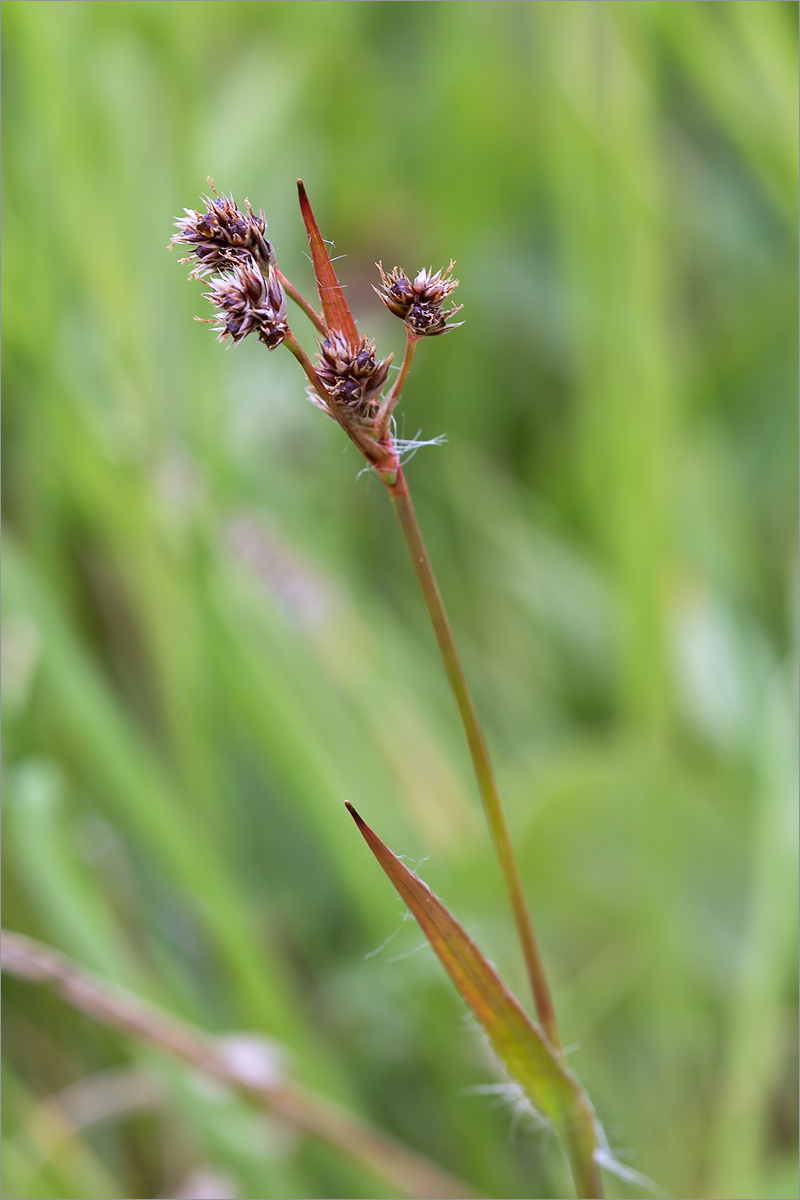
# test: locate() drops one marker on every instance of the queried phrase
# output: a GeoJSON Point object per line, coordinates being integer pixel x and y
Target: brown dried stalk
{"type": "Point", "coordinates": [412, 1173]}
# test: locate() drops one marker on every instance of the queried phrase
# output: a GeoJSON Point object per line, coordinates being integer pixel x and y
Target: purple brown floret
{"type": "Point", "coordinates": [419, 302]}
{"type": "Point", "coordinates": [351, 372]}
{"type": "Point", "coordinates": [248, 302]}
{"type": "Point", "coordinates": [224, 235]}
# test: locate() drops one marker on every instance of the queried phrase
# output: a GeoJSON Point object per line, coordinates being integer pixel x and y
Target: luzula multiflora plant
{"type": "Point", "coordinates": [232, 255]}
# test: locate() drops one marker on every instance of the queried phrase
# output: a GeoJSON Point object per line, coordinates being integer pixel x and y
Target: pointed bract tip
{"type": "Point", "coordinates": [360, 822]}
{"type": "Point", "coordinates": [335, 309]}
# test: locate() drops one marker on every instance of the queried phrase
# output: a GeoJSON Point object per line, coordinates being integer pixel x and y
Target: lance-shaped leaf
{"type": "Point", "coordinates": [519, 1043]}
{"type": "Point", "coordinates": [335, 308]}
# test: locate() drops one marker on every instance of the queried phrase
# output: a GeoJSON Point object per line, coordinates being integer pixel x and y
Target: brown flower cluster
{"type": "Point", "coordinates": [351, 373]}
{"type": "Point", "coordinates": [223, 235]}
{"type": "Point", "coordinates": [419, 302]}
{"type": "Point", "coordinates": [232, 253]}
{"type": "Point", "coordinates": [249, 301]}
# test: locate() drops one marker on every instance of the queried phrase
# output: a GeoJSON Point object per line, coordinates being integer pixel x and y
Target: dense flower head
{"type": "Point", "coordinates": [419, 302]}
{"type": "Point", "coordinates": [352, 373]}
{"type": "Point", "coordinates": [248, 301]}
{"type": "Point", "coordinates": [224, 235]}
{"type": "Point", "coordinates": [230, 253]}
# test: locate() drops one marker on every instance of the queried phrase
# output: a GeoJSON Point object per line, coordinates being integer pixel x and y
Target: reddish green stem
{"type": "Point", "coordinates": [387, 408]}
{"type": "Point", "coordinates": [301, 302]}
{"type": "Point", "coordinates": [493, 807]}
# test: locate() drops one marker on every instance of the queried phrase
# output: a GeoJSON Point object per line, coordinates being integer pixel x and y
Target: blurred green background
{"type": "Point", "coordinates": [212, 636]}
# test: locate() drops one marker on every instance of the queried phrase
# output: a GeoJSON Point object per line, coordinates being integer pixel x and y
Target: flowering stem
{"type": "Point", "coordinates": [492, 804]}
{"type": "Point", "coordinates": [379, 453]}
{"type": "Point", "coordinates": [291, 343]}
{"type": "Point", "coordinates": [387, 408]}
{"type": "Point", "coordinates": [301, 302]}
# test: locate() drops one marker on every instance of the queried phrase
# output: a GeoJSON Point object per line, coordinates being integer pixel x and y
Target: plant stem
{"type": "Point", "coordinates": [492, 804]}
{"type": "Point", "coordinates": [387, 408]}
{"type": "Point", "coordinates": [412, 1173]}
{"type": "Point", "coordinates": [301, 302]}
{"type": "Point", "coordinates": [291, 343]}
{"type": "Point", "coordinates": [580, 1144]}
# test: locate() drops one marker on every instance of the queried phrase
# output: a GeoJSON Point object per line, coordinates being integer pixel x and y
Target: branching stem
{"type": "Point", "coordinates": [301, 302]}
{"type": "Point", "coordinates": [387, 408]}
{"type": "Point", "coordinates": [492, 804]}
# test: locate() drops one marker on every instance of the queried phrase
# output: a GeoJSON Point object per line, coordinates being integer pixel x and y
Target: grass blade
{"type": "Point", "coordinates": [520, 1044]}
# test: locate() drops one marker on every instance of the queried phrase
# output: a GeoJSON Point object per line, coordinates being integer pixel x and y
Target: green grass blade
{"type": "Point", "coordinates": [521, 1046]}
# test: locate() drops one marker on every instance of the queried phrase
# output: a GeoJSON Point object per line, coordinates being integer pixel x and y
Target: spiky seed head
{"type": "Point", "coordinates": [396, 292]}
{"type": "Point", "coordinates": [224, 235]}
{"type": "Point", "coordinates": [419, 302]}
{"type": "Point", "coordinates": [248, 301]}
{"type": "Point", "coordinates": [351, 372]}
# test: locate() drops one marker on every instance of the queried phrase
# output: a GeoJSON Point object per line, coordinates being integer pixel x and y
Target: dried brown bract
{"type": "Point", "coordinates": [419, 302]}
{"type": "Point", "coordinates": [351, 373]}
{"type": "Point", "coordinates": [224, 235]}
{"type": "Point", "coordinates": [249, 301]}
